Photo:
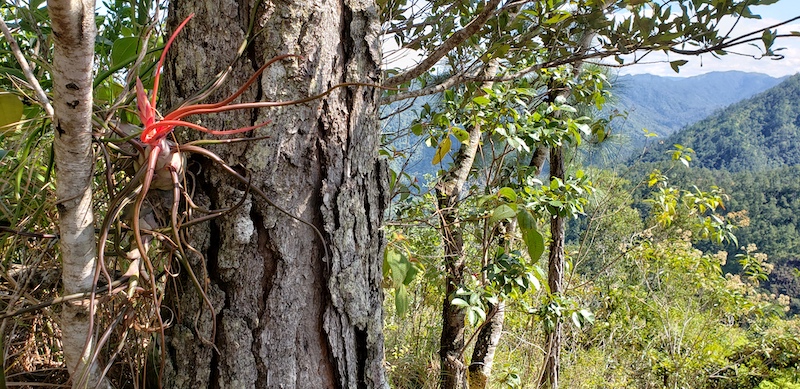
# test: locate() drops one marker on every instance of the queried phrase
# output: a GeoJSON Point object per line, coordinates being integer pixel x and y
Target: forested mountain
{"type": "Point", "coordinates": [751, 150]}
{"type": "Point", "coordinates": [756, 134]}
{"type": "Point", "coordinates": [664, 105]}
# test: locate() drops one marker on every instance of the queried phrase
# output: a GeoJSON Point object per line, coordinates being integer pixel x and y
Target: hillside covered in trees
{"type": "Point", "coordinates": [664, 105]}
{"type": "Point", "coordinates": [760, 133]}
{"type": "Point", "coordinates": [750, 150]}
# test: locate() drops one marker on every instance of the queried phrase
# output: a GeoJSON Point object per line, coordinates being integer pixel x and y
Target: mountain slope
{"type": "Point", "coordinates": [760, 133]}
{"type": "Point", "coordinates": [664, 105]}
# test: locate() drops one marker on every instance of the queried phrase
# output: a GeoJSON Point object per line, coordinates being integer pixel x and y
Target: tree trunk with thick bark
{"type": "Point", "coordinates": [74, 32]}
{"type": "Point", "coordinates": [291, 311]}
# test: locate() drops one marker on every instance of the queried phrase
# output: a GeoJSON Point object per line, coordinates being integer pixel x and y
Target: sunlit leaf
{"type": "Point", "coordinates": [442, 150]}
{"type": "Point", "coordinates": [507, 193]}
{"type": "Point", "coordinates": [10, 112]}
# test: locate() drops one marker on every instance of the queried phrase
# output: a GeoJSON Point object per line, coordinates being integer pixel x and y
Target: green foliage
{"type": "Point", "coordinates": [668, 316]}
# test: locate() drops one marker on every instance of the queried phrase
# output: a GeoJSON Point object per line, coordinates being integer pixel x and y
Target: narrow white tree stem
{"type": "Point", "coordinates": [74, 31]}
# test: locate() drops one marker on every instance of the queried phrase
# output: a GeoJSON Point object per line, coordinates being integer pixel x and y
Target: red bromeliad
{"type": "Point", "coordinates": [156, 130]}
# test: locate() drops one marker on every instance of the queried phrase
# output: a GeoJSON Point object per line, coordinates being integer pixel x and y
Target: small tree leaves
{"type": "Point", "coordinates": [10, 112]}
{"type": "Point", "coordinates": [676, 65]}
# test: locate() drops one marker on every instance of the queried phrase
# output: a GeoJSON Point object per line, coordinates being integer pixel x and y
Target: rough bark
{"type": "Point", "coordinates": [74, 32]}
{"type": "Point", "coordinates": [555, 278]}
{"type": "Point", "coordinates": [480, 367]}
{"type": "Point", "coordinates": [287, 315]}
{"type": "Point", "coordinates": [556, 257]}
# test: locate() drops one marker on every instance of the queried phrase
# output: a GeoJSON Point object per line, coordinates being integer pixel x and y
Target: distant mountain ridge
{"type": "Point", "coordinates": [760, 133]}
{"type": "Point", "coordinates": [664, 105]}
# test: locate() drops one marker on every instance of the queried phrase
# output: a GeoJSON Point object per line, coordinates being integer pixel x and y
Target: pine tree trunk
{"type": "Point", "coordinates": [286, 314]}
{"type": "Point", "coordinates": [74, 31]}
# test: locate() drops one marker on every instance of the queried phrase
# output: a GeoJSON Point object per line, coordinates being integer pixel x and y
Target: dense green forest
{"type": "Point", "coordinates": [750, 151]}
{"type": "Point", "coordinates": [753, 135]}
{"type": "Point", "coordinates": [664, 105]}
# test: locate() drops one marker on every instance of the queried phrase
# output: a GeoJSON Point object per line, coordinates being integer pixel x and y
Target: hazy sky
{"type": "Point", "coordinates": [772, 14]}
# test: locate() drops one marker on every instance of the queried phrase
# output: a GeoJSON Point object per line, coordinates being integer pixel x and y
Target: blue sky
{"type": "Point", "coordinates": [771, 14]}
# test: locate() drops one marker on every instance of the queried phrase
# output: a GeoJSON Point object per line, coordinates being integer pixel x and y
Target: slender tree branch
{"type": "Point", "coordinates": [454, 40]}
{"type": "Point", "coordinates": [26, 69]}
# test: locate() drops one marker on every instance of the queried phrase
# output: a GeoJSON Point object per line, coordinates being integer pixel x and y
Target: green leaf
{"type": "Point", "coordinates": [460, 134]}
{"type": "Point", "coordinates": [459, 302]}
{"type": "Point", "coordinates": [124, 49]}
{"type": "Point", "coordinates": [108, 91]}
{"type": "Point", "coordinates": [507, 193]}
{"type": "Point", "coordinates": [398, 265]}
{"type": "Point", "coordinates": [501, 213]}
{"type": "Point", "coordinates": [768, 37]}
{"type": "Point", "coordinates": [411, 273]}
{"type": "Point", "coordinates": [525, 220]}
{"type": "Point", "coordinates": [472, 317]}
{"type": "Point", "coordinates": [601, 135]}
{"type": "Point", "coordinates": [401, 300]}
{"type": "Point", "coordinates": [560, 16]}
{"type": "Point", "coordinates": [481, 100]}
{"type": "Point", "coordinates": [677, 64]}
{"type": "Point", "coordinates": [534, 241]}
{"type": "Point", "coordinates": [442, 150]}
{"type": "Point", "coordinates": [10, 112]}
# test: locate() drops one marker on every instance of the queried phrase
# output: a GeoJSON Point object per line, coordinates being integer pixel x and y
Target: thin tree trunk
{"type": "Point", "coordinates": [453, 369]}
{"type": "Point", "coordinates": [287, 315]}
{"type": "Point", "coordinates": [480, 367]}
{"type": "Point", "coordinates": [555, 278]}
{"type": "Point", "coordinates": [74, 32]}
{"type": "Point", "coordinates": [555, 274]}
